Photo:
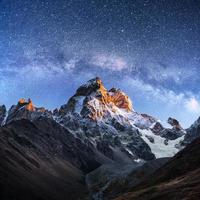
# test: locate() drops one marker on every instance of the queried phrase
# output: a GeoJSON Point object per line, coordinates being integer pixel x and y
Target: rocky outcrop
{"type": "Point", "coordinates": [119, 99]}
{"type": "Point", "coordinates": [175, 132]}
{"type": "Point", "coordinates": [169, 133]}
{"type": "Point", "coordinates": [27, 104]}
{"type": "Point", "coordinates": [192, 133]}
{"type": "Point", "coordinates": [2, 113]}
{"type": "Point", "coordinates": [175, 124]}
{"type": "Point", "coordinates": [26, 110]}
{"type": "Point", "coordinates": [157, 128]}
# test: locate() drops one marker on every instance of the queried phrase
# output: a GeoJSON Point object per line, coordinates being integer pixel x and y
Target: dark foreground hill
{"type": "Point", "coordinates": [42, 160]}
{"type": "Point", "coordinates": [178, 179]}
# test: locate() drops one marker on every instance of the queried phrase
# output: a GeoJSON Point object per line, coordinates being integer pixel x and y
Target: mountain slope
{"type": "Point", "coordinates": [178, 179]}
{"type": "Point", "coordinates": [42, 160]}
{"type": "Point", "coordinates": [109, 180]}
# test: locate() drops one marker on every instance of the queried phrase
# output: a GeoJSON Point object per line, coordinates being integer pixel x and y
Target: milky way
{"type": "Point", "coordinates": [150, 49]}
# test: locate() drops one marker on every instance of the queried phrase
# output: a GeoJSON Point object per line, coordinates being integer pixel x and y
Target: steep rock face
{"type": "Point", "coordinates": [175, 124]}
{"type": "Point", "coordinates": [2, 113]}
{"type": "Point", "coordinates": [192, 132]}
{"type": "Point", "coordinates": [27, 104]}
{"type": "Point", "coordinates": [169, 133]}
{"type": "Point", "coordinates": [157, 128]}
{"type": "Point", "coordinates": [26, 110]}
{"type": "Point", "coordinates": [93, 101]}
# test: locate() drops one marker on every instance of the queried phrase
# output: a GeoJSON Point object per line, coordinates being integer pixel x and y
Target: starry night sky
{"type": "Point", "coordinates": [148, 48]}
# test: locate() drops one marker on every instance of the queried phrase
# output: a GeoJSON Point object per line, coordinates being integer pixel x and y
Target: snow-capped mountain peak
{"type": "Point", "coordinates": [94, 101]}
{"type": "Point", "coordinates": [106, 117]}
{"type": "Point", "coordinates": [106, 120]}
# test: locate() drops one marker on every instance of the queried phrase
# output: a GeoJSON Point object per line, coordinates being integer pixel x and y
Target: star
{"type": "Point", "coordinates": [48, 45]}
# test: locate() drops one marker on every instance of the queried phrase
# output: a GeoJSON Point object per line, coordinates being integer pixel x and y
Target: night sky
{"type": "Point", "coordinates": [148, 48]}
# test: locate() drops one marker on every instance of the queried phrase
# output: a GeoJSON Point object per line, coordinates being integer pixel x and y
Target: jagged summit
{"type": "Point", "coordinates": [94, 101]}
{"type": "Point", "coordinates": [27, 104]}
{"type": "Point", "coordinates": [25, 109]}
{"type": "Point", "coordinates": [114, 96]}
{"type": "Point", "coordinates": [91, 86]}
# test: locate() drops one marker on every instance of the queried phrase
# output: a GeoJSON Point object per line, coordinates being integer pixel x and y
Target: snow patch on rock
{"type": "Point", "coordinates": [161, 147]}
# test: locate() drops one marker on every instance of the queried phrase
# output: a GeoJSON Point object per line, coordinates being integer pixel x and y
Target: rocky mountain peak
{"type": "Point", "coordinates": [91, 86]}
{"type": "Point", "coordinates": [27, 104]}
{"type": "Point", "coordinates": [94, 101]}
{"type": "Point", "coordinates": [174, 123]}
{"type": "Point", "coordinates": [115, 96]}
{"type": "Point", "coordinates": [25, 109]}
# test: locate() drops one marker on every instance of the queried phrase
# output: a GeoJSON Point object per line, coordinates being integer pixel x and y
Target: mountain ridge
{"type": "Point", "coordinates": [107, 119]}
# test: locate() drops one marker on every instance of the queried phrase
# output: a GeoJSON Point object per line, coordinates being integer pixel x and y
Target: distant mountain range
{"type": "Point", "coordinates": [96, 146]}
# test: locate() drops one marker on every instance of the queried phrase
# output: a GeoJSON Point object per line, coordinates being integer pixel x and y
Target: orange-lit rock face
{"type": "Point", "coordinates": [107, 99]}
{"type": "Point", "coordinates": [115, 96]}
{"type": "Point", "coordinates": [120, 99]}
{"type": "Point", "coordinates": [29, 104]}
{"type": "Point", "coordinates": [22, 101]}
{"type": "Point", "coordinates": [93, 100]}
